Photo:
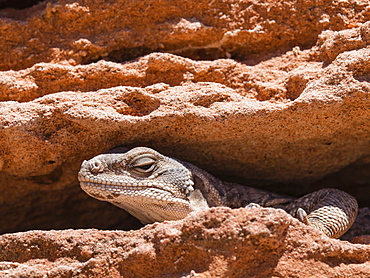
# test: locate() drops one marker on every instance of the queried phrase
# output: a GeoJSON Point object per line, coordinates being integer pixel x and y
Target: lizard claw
{"type": "Point", "coordinates": [253, 205]}
{"type": "Point", "coordinates": [302, 216]}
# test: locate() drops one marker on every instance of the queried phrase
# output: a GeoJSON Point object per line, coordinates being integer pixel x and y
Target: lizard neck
{"type": "Point", "coordinates": [211, 188]}
{"type": "Point", "coordinates": [219, 193]}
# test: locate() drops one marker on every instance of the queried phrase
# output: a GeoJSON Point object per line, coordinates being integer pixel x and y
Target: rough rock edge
{"type": "Point", "coordinates": [86, 31]}
{"type": "Point", "coordinates": [55, 120]}
{"type": "Point", "coordinates": [221, 241]}
{"type": "Point", "coordinates": [269, 80]}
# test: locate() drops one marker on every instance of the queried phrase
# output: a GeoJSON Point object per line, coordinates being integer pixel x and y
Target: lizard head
{"type": "Point", "coordinates": [150, 186]}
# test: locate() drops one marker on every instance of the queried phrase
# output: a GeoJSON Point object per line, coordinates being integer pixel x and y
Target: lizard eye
{"type": "Point", "coordinates": [145, 167]}
{"type": "Point", "coordinates": [144, 164]}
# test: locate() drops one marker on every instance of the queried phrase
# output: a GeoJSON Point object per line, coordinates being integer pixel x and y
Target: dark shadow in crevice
{"type": "Point", "coordinates": [253, 59]}
{"type": "Point", "coordinates": [354, 179]}
{"type": "Point", "coordinates": [203, 54]}
{"type": "Point", "coordinates": [43, 203]}
{"type": "Point", "coordinates": [362, 76]}
{"type": "Point", "coordinates": [129, 54]}
{"type": "Point", "coordinates": [18, 4]}
{"type": "Point", "coordinates": [124, 55]}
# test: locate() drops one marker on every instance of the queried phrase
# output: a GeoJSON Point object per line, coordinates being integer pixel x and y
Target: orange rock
{"type": "Point", "coordinates": [219, 242]}
{"type": "Point", "coordinates": [273, 94]}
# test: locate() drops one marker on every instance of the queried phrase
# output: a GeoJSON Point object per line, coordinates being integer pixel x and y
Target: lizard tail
{"type": "Point", "coordinates": [330, 210]}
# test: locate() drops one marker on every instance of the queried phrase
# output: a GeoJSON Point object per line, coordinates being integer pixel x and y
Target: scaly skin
{"type": "Point", "coordinates": [153, 187]}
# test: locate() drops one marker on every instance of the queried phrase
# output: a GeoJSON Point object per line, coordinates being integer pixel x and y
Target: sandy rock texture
{"type": "Point", "coordinates": [273, 94]}
{"type": "Point", "coordinates": [217, 243]}
{"type": "Point", "coordinates": [86, 31]}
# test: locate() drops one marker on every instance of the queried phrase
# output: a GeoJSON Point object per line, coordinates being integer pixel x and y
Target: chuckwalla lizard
{"type": "Point", "coordinates": [153, 187]}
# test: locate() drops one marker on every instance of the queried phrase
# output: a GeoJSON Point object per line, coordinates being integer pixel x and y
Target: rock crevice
{"type": "Point", "coordinates": [272, 94]}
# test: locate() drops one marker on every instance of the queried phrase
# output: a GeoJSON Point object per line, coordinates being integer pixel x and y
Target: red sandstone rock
{"type": "Point", "coordinates": [289, 112]}
{"type": "Point", "coordinates": [85, 31]}
{"type": "Point", "coordinates": [217, 243]}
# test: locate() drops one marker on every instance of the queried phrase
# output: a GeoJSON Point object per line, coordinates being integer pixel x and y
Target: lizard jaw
{"type": "Point", "coordinates": [148, 204]}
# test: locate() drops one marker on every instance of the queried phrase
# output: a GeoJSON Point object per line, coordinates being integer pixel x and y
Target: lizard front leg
{"type": "Point", "coordinates": [330, 210]}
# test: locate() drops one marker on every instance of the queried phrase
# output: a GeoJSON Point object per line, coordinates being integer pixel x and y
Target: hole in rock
{"type": "Point", "coordinates": [362, 77]}
{"type": "Point", "coordinates": [203, 54]}
{"type": "Point", "coordinates": [18, 4]}
{"type": "Point", "coordinates": [207, 100]}
{"type": "Point", "coordinates": [295, 86]}
{"type": "Point", "coordinates": [127, 54]}
{"type": "Point", "coordinates": [361, 71]}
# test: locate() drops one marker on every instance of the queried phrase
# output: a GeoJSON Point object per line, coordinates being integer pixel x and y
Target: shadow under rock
{"type": "Point", "coordinates": [18, 4]}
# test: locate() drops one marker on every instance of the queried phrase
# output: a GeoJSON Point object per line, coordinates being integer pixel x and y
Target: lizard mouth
{"type": "Point", "coordinates": [108, 192]}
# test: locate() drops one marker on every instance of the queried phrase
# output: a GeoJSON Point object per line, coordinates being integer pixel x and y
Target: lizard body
{"type": "Point", "coordinates": [153, 187]}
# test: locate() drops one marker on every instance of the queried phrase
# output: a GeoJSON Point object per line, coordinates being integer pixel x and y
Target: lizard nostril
{"type": "Point", "coordinates": [96, 166]}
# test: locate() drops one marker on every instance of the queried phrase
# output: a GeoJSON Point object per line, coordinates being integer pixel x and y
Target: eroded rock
{"type": "Point", "coordinates": [83, 32]}
{"type": "Point", "coordinates": [219, 242]}
{"type": "Point", "coordinates": [285, 109]}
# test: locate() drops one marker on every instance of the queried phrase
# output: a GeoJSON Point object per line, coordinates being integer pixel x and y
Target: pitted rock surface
{"type": "Point", "coordinates": [271, 94]}
{"type": "Point", "coordinates": [216, 243]}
